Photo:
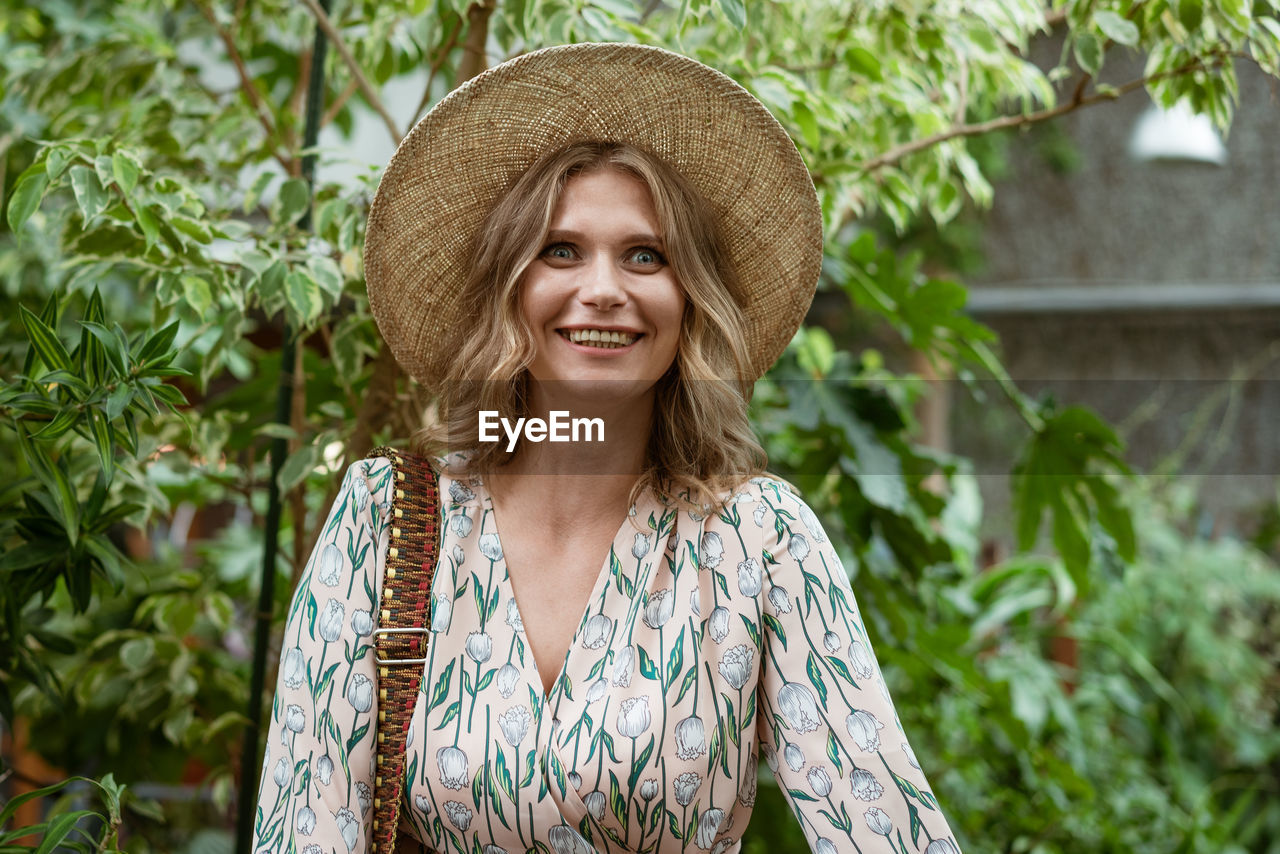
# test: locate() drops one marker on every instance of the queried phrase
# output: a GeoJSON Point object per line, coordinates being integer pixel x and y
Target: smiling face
{"type": "Point", "coordinates": [600, 299]}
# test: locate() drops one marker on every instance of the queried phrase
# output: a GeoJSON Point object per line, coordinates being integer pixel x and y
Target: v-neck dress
{"type": "Point", "coordinates": [707, 641]}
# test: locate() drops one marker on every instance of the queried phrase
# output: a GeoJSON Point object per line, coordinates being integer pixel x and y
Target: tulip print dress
{"type": "Point", "coordinates": [706, 642]}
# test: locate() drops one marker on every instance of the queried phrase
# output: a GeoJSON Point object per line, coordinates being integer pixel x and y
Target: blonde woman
{"type": "Point", "coordinates": [622, 624]}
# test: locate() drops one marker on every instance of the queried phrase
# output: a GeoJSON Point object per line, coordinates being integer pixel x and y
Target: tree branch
{"type": "Point", "coordinates": [250, 91]}
{"type": "Point", "coordinates": [1078, 99]}
{"type": "Point", "coordinates": [370, 94]}
{"type": "Point", "coordinates": [339, 102]}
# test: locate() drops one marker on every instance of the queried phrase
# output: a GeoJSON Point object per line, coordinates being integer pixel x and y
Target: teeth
{"type": "Point", "coordinates": [599, 337]}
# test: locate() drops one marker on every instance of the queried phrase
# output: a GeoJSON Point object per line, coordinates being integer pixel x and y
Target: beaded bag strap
{"type": "Point", "coordinates": [404, 624]}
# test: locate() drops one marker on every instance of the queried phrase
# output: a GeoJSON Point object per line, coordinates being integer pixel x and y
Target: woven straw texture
{"type": "Point", "coordinates": [456, 163]}
{"type": "Point", "coordinates": [406, 596]}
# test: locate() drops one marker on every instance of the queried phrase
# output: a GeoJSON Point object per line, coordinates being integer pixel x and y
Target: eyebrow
{"type": "Point", "coordinates": [558, 234]}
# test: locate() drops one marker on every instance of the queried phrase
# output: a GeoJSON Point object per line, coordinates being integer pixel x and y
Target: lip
{"type": "Point", "coordinates": [581, 326]}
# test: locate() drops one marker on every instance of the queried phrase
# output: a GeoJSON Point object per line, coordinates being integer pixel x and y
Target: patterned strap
{"type": "Point", "coordinates": [404, 623]}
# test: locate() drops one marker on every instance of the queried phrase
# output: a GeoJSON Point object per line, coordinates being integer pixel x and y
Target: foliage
{"type": "Point", "coordinates": [153, 205]}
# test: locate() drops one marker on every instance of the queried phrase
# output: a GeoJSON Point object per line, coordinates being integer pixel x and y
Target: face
{"type": "Point", "coordinates": [602, 274]}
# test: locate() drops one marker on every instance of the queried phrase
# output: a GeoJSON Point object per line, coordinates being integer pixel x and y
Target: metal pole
{"type": "Point", "coordinates": [249, 756]}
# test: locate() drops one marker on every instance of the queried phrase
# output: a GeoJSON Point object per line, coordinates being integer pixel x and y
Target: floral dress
{"type": "Point", "coordinates": [707, 641]}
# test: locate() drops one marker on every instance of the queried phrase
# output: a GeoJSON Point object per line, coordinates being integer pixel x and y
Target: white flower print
{"type": "Point", "coordinates": [942, 846]}
{"type": "Point", "coordinates": [565, 840]}
{"type": "Point", "coordinates": [633, 716]}
{"type": "Point", "coordinates": [282, 774]}
{"type": "Point", "coordinates": [360, 486]}
{"type": "Point", "coordinates": [330, 623]}
{"type": "Point", "coordinates": [324, 769]}
{"type": "Point", "coordinates": [364, 795]}
{"type": "Point", "coordinates": [459, 493]}
{"type": "Point", "coordinates": [865, 785]}
{"type": "Point", "coordinates": [695, 602]}
{"type": "Point", "coordinates": [294, 718]}
{"type": "Point", "coordinates": [860, 660]}
{"type": "Point", "coordinates": [493, 849]}
{"type": "Point", "coordinates": [747, 790]}
{"type": "Point", "coordinates": [691, 738]}
{"type": "Point", "coordinates": [459, 556]}
{"type": "Point", "coordinates": [819, 781]}
{"type": "Point", "coordinates": [361, 622]}
{"type": "Point", "coordinates": [594, 802]}
{"type": "Point", "coordinates": [863, 726]}
{"type": "Point", "coordinates": [408, 742]}
{"type": "Point", "coordinates": [749, 577]}
{"type": "Point", "coordinates": [779, 599]}
{"type": "Point", "coordinates": [797, 705]}
{"type": "Point", "coordinates": [294, 668]}
{"type": "Point", "coordinates": [798, 547]}
{"type": "Point", "coordinates": [459, 814]}
{"type": "Point", "coordinates": [712, 550]}
{"type": "Point", "coordinates": [686, 785]}
{"type": "Point", "coordinates": [462, 525]}
{"type": "Point", "coordinates": [648, 790]}
{"type": "Point", "coordinates": [441, 613]}
{"type": "Point", "coordinates": [348, 826]}
{"type": "Point", "coordinates": [453, 769]}
{"type": "Point", "coordinates": [709, 826]}
{"type": "Point", "coordinates": [507, 678]}
{"type": "Point", "coordinates": [575, 780]}
{"type": "Point", "coordinates": [423, 805]}
{"type": "Point", "coordinates": [306, 822]}
{"type": "Point", "coordinates": [513, 616]}
{"type": "Point", "coordinates": [640, 547]}
{"type": "Point", "coordinates": [794, 756]}
{"type": "Point", "coordinates": [597, 689]}
{"type": "Point", "coordinates": [719, 624]}
{"type": "Point", "coordinates": [831, 641]}
{"type": "Point", "coordinates": [811, 522]}
{"type": "Point", "coordinates": [911, 756]}
{"type": "Point", "coordinates": [596, 632]}
{"type": "Point", "coordinates": [622, 667]}
{"type": "Point", "coordinates": [490, 547]}
{"type": "Point", "coordinates": [659, 608]}
{"type": "Point", "coordinates": [360, 693]}
{"type": "Point", "coordinates": [878, 820]}
{"type": "Point", "coordinates": [309, 849]}
{"type": "Point", "coordinates": [735, 667]}
{"type": "Point", "coordinates": [758, 515]}
{"type": "Point", "coordinates": [479, 647]}
{"type": "Point", "coordinates": [329, 566]}
{"type": "Point", "coordinates": [514, 723]}
{"type": "Point", "coordinates": [825, 846]}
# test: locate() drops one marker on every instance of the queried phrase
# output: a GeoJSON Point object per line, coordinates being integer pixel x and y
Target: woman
{"type": "Point", "coordinates": [622, 234]}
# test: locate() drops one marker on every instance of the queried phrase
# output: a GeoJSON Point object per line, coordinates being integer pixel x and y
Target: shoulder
{"type": "Point", "coordinates": [784, 515]}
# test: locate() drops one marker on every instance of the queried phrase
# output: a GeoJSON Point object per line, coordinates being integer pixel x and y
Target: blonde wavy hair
{"type": "Point", "coordinates": [701, 447]}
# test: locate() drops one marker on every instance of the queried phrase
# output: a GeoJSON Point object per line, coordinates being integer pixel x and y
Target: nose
{"type": "Point", "coordinates": [601, 285]}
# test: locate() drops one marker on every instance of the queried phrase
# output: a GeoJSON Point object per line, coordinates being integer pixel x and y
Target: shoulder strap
{"type": "Point", "coordinates": [404, 625]}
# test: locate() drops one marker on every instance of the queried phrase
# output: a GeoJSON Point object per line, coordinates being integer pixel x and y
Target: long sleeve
{"type": "Point", "coordinates": [827, 724]}
{"type": "Point", "coordinates": [315, 794]}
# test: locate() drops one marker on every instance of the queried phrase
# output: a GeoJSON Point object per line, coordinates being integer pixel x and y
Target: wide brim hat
{"type": "Point", "coordinates": [450, 171]}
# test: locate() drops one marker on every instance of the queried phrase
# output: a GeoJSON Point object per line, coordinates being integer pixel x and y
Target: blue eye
{"type": "Point", "coordinates": [558, 250]}
{"type": "Point", "coordinates": [647, 256]}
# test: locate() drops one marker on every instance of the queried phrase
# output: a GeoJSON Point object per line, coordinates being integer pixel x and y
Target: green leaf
{"type": "Point", "coordinates": [196, 230]}
{"type": "Point", "coordinates": [197, 293]}
{"type": "Point", "coordinates": [292, 201]}
{"type": "Point", "coordinates": [255, 190]}
{"type": "Point", "coordinates": [1088, 52]}
{"type": "Point", "coordinates": [61, 423]}
{"type": "Point", "coordinates": [303, 295]}
{"type": "Point", "coordinates": [89, 192]}
{"type": "Point", "coordinates": [158, 345]}
{"type": "Point", "coordinates": [27, 193]}
{"type": "Point", "coordinates": [125, 169]}
{"type": "Point", "coordinates": [115, 353]}
{"type": "Point", "coordinates": [299, 464]}
{"type": "Point", "coordinates": [735, 11]}
{"type": "Point", "coordinates": [648, 669]}
{"type": "Point", "coordinates": [102, 433]}
{"type": "Point", "coordinates": [1116, 28]}
{"type": "Point", "coordinates": [46, 343]}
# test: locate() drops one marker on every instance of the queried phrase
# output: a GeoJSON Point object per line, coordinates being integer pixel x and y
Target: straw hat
{"type": "Point", "coordinates": [458, 161]}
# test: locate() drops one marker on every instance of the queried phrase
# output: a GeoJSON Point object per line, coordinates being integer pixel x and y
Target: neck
{"type": "Point", "coordinates": [588, 479]}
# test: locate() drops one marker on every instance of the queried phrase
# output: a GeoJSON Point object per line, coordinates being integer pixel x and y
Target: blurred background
{"type": "Point", "coordinates": [1034, 402]}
